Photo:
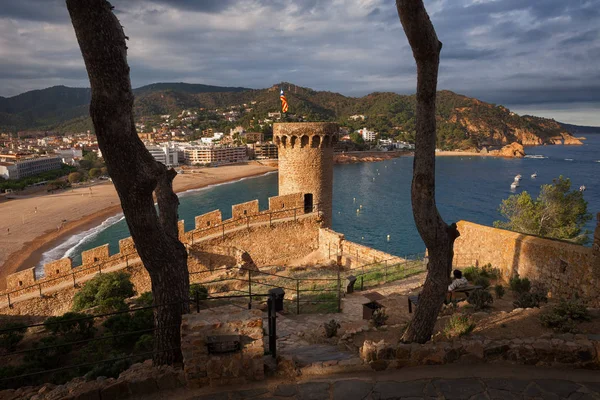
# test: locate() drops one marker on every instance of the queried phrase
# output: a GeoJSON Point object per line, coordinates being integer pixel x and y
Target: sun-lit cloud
{"type": "Point", "coordinates": [526, 55]}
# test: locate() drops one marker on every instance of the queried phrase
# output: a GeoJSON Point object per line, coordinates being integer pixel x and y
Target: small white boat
{"type": "Point", "coordinates": [514, 185]}
{"type": "Point", "coordinates": [582, 188]}
{"type": "Point", "coordinates": [518, 178]}
{"type": "Point", "coordinates": [534, 175]}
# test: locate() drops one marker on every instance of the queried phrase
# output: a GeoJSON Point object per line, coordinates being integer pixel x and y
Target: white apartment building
{"type": "Point", "coordinates": [15, 167]}
{"type": "Point", "coordinates": [164, 154]}
{"type": "Point", "coordinates": [68, 156]}
{"type": "Point", "coordinates": [214, 155]}
{"type": "Point", "coordinates": [367, 135]}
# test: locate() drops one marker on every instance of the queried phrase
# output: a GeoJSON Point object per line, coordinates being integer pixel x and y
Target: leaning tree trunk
{"type": "Point", "coordinates": [437, 235]}
{"type": "Point", "coordinates": [134, 172]}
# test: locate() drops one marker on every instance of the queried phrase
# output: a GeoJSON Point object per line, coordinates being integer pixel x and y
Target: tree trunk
{"type": "Point", "coordinates": [437, 235]}
{"type": "Point", "coordinates": [134, 172]}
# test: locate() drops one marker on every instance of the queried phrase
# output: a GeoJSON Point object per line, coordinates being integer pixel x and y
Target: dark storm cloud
{"type": "Point", "coordinates": [503, 51]}
{"type": "Point", "coordinates": [34, 10]}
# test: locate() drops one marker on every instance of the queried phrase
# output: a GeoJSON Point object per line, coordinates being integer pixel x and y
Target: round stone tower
{"type": "Point", "coordinates": [306, 162]}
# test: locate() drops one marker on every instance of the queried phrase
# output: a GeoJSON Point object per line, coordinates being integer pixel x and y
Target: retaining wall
{"type": "Point", "coordinates": [564, 268]}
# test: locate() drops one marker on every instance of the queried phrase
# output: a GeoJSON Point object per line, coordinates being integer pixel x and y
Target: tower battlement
{"type": "Point", "coordinates": [305, 135]}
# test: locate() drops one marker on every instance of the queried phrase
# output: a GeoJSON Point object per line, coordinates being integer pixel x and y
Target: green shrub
{"type": "Point", "coordinates": [106, 291]}
{"type": "Point", "coordinates": [71, 325]}
{"type": "Point", "coordinates": [481, 281]}
{"type": "Point", "coordinates": [458, 325]}
{"type": "Point", "coordinates": [130, 324]}
{"type": "Point", "coordinates": [529, 300]}
{"type": "Point", "coordinates": [10, 339]}
{"type": "Point", "coordinates": [202, 291]}
{"type": "Point", "coordinates": [331, 328]}
{"type": "Point", "coordinates": [144, 300]}
{"type": "Point", "coordinates": [98, 351]}
{"type": "Point", "coordinates": [499, 289]}
{"type": "Point", "coordinates": [563, 316]}
{"type": "Point", "coordinates": [480, 298]}
{"type": "Point", "coordinates": [47, 358]}
{"type": "Point", "coordinates": [471, 273]}
{"type": "Point", "coordinates": [519, 285]}
{"type": "Point", "coordinates": [144, 344]}
{"type": "Point", "coordinates": [379, 317]}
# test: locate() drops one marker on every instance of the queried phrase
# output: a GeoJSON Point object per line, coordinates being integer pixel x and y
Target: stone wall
{"type": "Point", "coordinates": [334, 246]}
{"type": "Point", "coordinates": [21, 279]}
{"type": "Point", "coordinates": [579, 351]}
{"type": "Point", "coordinates": [276, 245]}
{"type": "Point", "coordinates": [202, 368]}
{"type": "Point", "coordinates": [306, 161]}
{"type": "Point", "coordinates": [207, 220]}
{"type": "Point", "coordinates": [58, 267]}
{"type": "Point", "coordinates": [97, 254]}
{"type": "Point", "coordinates": [126, 246]}
{"type": "Point", "coordinates": [564, 268]}
{"type": "Point", "coordinates": [245, 209]}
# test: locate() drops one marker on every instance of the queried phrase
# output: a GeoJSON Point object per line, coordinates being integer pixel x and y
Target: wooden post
{"type": "Point", "coordinates": [339, 291]}
{"type": "Point", "coordinates": [249, 289]}
{"type": "Point", "coordinates": [297, 297]}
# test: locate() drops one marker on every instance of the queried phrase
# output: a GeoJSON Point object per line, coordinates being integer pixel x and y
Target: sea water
{"type": "Point", "coordinates": [467, 188]}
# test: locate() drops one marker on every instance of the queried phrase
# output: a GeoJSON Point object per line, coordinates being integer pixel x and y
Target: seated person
{"type": "Point", "coordinates": [457, 283]}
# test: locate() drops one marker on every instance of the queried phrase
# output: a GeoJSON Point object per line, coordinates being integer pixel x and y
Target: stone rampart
{"type": "Point", "coordinates": [97, 254]}
{"type": "Point", "coordinates": [334, 246]}
{"type": "Point", "coordinates": [206, 225]}
{"type": "Point", "coordinates": [564, 268]}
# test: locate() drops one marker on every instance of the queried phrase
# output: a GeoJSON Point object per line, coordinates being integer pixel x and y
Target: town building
{"type": "Point", "coordinates": [367, 135]}
{"type": "Point", "coordinates": [18, 166]}
{"type": "Point", "coordinates": [265, 150]}
{"type": "Point", "coordinates": [253, 137]}
{"type": "Point", "coordinates": [164, 154]}
{"type": "Point", "coordinates": [214, 155]}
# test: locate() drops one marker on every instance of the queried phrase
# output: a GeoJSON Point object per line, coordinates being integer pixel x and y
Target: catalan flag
{"type": "Point", "coordinates": [284, 103]}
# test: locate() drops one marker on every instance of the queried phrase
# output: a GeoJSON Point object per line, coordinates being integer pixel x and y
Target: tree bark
{"type": "Point", "coordinates": [134, 172]}
{"type": "Point", "coordinates": [437, 235]}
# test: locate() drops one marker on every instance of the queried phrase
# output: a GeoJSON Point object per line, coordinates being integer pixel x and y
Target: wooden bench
{"type": "Point", "coordinates": [467, 290]}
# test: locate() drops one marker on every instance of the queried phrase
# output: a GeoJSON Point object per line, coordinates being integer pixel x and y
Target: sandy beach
{"type": "Point", "coordinates": [34, 224]}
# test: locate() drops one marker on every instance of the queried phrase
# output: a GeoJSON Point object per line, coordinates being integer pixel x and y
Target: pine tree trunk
{"type": "Point", "coordinates": [134, 172]}
{"type": "Point", "coordinates": [437, 235]}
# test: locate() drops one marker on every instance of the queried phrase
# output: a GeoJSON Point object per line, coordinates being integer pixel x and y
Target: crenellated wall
{"type": "Point", "coordinates": [564, 268]}
{"type": "Point", "coordinates": [283, 232]}
{"type": "Point", "coordinates": [97, 254]}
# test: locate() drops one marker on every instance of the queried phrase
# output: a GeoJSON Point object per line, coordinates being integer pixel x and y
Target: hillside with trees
{"type": "Point", "coordinates": [463, 122]}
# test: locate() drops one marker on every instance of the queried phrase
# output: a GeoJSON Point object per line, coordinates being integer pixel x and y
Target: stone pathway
{"type": "Point", "coordinates": [297, 333]}
{"type": "Point", "coordinates": [465, 388]}
{"type": "Point", "coordinates": [483, 382]}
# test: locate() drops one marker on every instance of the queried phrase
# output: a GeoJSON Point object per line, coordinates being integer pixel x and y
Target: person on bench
{"type": "Point", "coordinates": [458, 282]}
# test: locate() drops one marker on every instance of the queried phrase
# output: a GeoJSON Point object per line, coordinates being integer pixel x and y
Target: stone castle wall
{"type": "Point", "coordinates": [207, 226]}
{"type": "Point", "coordinates": [334, 246]}
{"type": "Point", "coordinates": [306, 161]}
{"type": "Point", "coordinates": [562, 267]}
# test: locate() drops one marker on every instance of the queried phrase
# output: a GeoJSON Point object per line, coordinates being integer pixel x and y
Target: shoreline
{"type": "Point", "coordinates": [30, 252]}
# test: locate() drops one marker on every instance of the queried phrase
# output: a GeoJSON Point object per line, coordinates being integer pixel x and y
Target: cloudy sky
{"type": "Point", "coordinates": [535, 56]}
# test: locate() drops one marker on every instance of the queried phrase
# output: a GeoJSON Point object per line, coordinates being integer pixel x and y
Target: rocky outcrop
{"type": "Point", "coordinates": [571, 140]}
{"type": "Point", "coordinates": [513, 150]}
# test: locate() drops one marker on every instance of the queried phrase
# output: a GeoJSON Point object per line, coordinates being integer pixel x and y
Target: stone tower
{"type": "Point", "coordinates": [306, 162]}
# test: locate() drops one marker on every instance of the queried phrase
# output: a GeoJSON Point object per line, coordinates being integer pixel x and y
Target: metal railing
{"type": "Point", "coordinates": [389, 270]}
{"type": "Point", "coordinates": [307, 291]}
{"type": "Point", "coordinates": [28, 376]}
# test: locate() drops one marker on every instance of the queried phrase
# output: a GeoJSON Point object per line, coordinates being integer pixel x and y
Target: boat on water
{"type": "Point", "coordinates": [514, 185]}
{"type": "Point", "coordinates": [582, 188]}
{"type": "Point", "coordinates": [534, 175]}
{"type": "Point", "coordinates": [518, 178]}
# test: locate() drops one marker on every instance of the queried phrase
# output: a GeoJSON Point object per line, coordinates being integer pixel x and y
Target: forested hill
{"type": "Point", "coordinates": [463, 122]}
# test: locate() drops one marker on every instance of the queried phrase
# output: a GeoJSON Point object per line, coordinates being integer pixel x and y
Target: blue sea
{"type": "Point", "coordinates": [467, 188]}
